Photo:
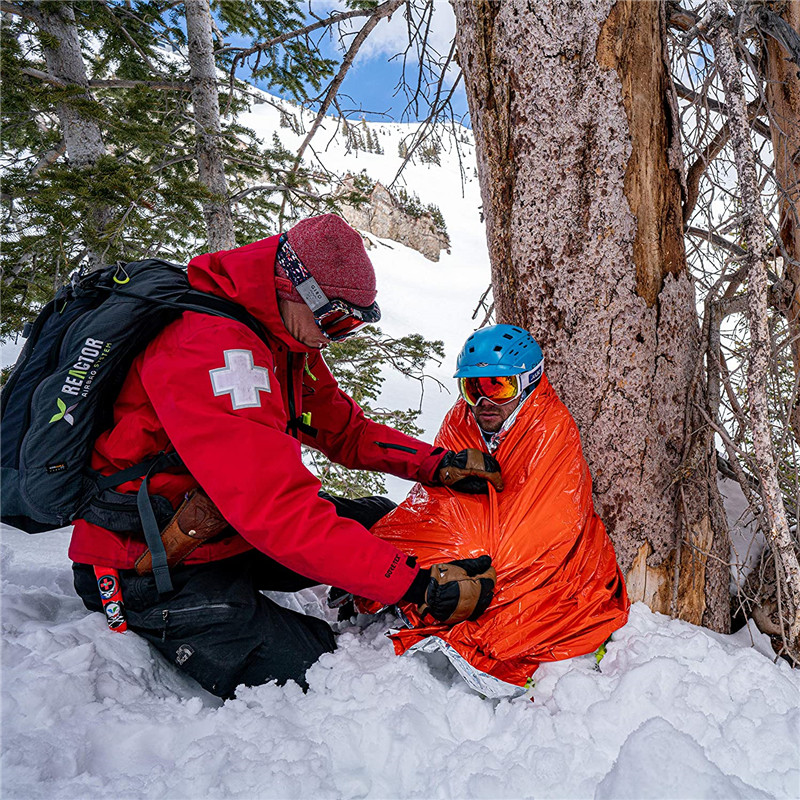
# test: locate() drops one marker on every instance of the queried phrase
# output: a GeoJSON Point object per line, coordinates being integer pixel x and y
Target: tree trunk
{"type": "Point", "coordinates": [82, 136]}
{"type": "Point", "coordinates": [205, 98]}
{"type": "Point", "coordinates": [755, 258]}
{"type": "Point", "coordinates": [581, 186]}
{"type": "Point", "coordinates": [783, 100]}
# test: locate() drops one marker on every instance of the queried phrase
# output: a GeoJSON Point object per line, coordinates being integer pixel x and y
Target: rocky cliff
{"type": "Point", "coordinates": [388, 217]}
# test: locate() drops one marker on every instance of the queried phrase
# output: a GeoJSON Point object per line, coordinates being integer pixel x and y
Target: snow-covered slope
{"type": "Point", "coordinates": [673, 712]}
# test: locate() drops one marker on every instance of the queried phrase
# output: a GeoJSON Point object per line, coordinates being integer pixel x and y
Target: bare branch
{"type": "Point", "coordinates": [436, 108]}
{"type": "Point", "coordinates": [333, 19]}
{"type": "Point", "coordinates": [49, 158]}
{"type": "Point", "coordinates": [26, 11]}
{"type": "Point", "coordinates": [685, 93]}
{"type": "Point", "coordinates": [269, 187]}
{"type": "Point", "coordinates": [113, 83]}
{"type": "Point", "coordinates": [384, 10]}
{"type": "Point", "coordinates": [711, 151]}
{"type": "Point", "coordinates": [716, 239]}
{"type": "Point", "coordinates": [753, 224]}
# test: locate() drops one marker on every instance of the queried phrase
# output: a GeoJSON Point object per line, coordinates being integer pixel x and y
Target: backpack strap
{"type": "Point", "coordinates": [144, 505]}
{"type": "Point", "coordinates": [157, 463]}
{"type": "Point", "coordinates": [218, 307]}
{"type": "Point", "coordinates": [204, 303]}
{"type": "Point", "coordinates": [152, 535]}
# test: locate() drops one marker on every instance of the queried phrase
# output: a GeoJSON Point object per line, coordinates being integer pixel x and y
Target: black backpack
{"type": "Point", "coordinates": [60, 394]}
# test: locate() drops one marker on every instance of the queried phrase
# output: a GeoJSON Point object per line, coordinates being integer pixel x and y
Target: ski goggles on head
{"type": "Point", "coordinates": [499, 389]}
{"type": "Point", "coordinates": [336, 318]}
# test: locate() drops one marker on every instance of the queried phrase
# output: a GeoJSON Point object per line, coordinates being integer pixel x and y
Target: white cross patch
{"type": "Point", "coordinates": [241, 379]}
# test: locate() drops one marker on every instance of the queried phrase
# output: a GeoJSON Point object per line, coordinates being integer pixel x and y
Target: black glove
{"type": "Point", "coordinates": [469, 471]}
{"type": "Point", "coordinates": [342, 601]}
{"type": "Point", "coordinates": [455, 591]}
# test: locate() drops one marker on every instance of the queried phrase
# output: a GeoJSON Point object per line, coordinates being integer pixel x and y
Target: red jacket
{"type": "Point", "coordinates": [212, 390]}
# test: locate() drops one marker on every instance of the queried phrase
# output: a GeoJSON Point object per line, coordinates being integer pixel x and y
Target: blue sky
{"type": "Point", "coordinates": [371, 86]}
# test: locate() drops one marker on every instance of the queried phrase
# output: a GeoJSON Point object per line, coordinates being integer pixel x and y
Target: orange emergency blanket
{"type": "Point", "coordinates": [559, 590]}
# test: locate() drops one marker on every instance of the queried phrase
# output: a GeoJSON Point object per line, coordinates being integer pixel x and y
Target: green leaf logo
{"type": "Point", "coordinates": [62, 409]}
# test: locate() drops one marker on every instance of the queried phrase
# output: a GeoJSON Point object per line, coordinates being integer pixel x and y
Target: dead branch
{"type": "Point", "coordinates": [270, 187]}
{"type": "Point", "coordinates": [685, 93]}
{"type": "Point", "coordinates": [113, 83]}
{"type": "Point", "coordinates": [715, 238]}
{"type": "Point", "coordinates": [754, 225]}
{"type": "Point", "coordinates": [710, 152]}
{"type": "Point", "coordinates": [49, 158]}
{"type": "Point", "coordinates": [385, 9]}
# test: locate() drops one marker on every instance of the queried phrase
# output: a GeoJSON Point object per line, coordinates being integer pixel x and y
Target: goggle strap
{"type": "Point", "coordinates": [312, 294]}
{"type": "Point", "coordinates": [533, 375]}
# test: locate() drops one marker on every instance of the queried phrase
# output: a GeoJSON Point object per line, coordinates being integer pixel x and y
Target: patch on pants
{"type": "Point", "coordinates": [183, 654]}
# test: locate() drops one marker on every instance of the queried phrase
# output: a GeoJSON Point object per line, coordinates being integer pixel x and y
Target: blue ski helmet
{"type": "Point", "coordinates": [498, 350]}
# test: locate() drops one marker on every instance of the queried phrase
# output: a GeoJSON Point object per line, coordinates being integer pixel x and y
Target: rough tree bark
{"type": "Point", "coordinates": [205, 98]}
{"type": "Point", "coordinates": [755, 258]}
{"type": "Point", "coordinates": [581, 184]}
{"type": "Point", "coordinates": [783, 100]}
{"type": "Point", "coordinates": [82, 136]}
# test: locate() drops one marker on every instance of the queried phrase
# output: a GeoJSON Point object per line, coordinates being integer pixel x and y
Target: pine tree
{"type": "Point", "coordinates": [100, 150]}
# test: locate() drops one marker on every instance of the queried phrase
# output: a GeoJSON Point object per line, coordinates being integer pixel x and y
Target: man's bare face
{"type": "Point", "coordinates": [299, 321]}
{"type": "Point", "coordinates": [490, 417]}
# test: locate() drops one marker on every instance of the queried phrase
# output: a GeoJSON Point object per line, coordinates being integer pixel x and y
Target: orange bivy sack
{"type": "Point", "coordinates": [559, 590]}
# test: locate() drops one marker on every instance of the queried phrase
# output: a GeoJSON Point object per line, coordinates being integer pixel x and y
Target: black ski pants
{"type": "Point", "coordinates": [217, 627]}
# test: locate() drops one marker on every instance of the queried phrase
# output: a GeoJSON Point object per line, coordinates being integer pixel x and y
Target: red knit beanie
{"type": "Point", "coordinates": [334, 254]}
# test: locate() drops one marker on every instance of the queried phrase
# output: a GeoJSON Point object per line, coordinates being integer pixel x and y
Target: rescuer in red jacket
{"type": "Point", "coordinates": [236, 409]}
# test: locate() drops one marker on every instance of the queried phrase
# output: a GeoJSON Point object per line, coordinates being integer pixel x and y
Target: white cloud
{"type": "Point", "coordinates": [390, 37]}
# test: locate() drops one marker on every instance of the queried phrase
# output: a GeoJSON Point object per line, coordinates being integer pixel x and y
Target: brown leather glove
{"type": "Point", "coordinates": [454, 592]}
{"type": "Point", "coordinates": [469, 471]}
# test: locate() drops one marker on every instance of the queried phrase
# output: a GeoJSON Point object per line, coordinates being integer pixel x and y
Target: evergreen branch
{"type": "Point", "coordinates": [173, 161]}
{"type": "Point", "coordinates": [136, 46]}
{"type": "Point", "coordinates": [124, 83]}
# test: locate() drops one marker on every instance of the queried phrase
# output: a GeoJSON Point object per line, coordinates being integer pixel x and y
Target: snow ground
{"type": "Point", "coordinates": [674, 712]}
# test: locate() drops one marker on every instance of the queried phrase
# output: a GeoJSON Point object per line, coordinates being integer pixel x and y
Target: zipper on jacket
{"type": "Point", "coordinates": [165, 618]}
{"type": "Point", "coordinates": [388, 446]}
{"type": "Point", "coordinates": [199, 608]}
{"type": "Point", "coordinates": [292, 427]}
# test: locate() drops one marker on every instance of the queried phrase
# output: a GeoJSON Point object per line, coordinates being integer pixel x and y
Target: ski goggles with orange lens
{"type": "Point", "coordinates": [337, 319]}
{"type": "Point", "coordinates": [499, 389]}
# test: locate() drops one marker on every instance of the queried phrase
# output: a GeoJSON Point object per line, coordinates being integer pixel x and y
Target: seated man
{"type": "Point", "coordinates": [559, 590]}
